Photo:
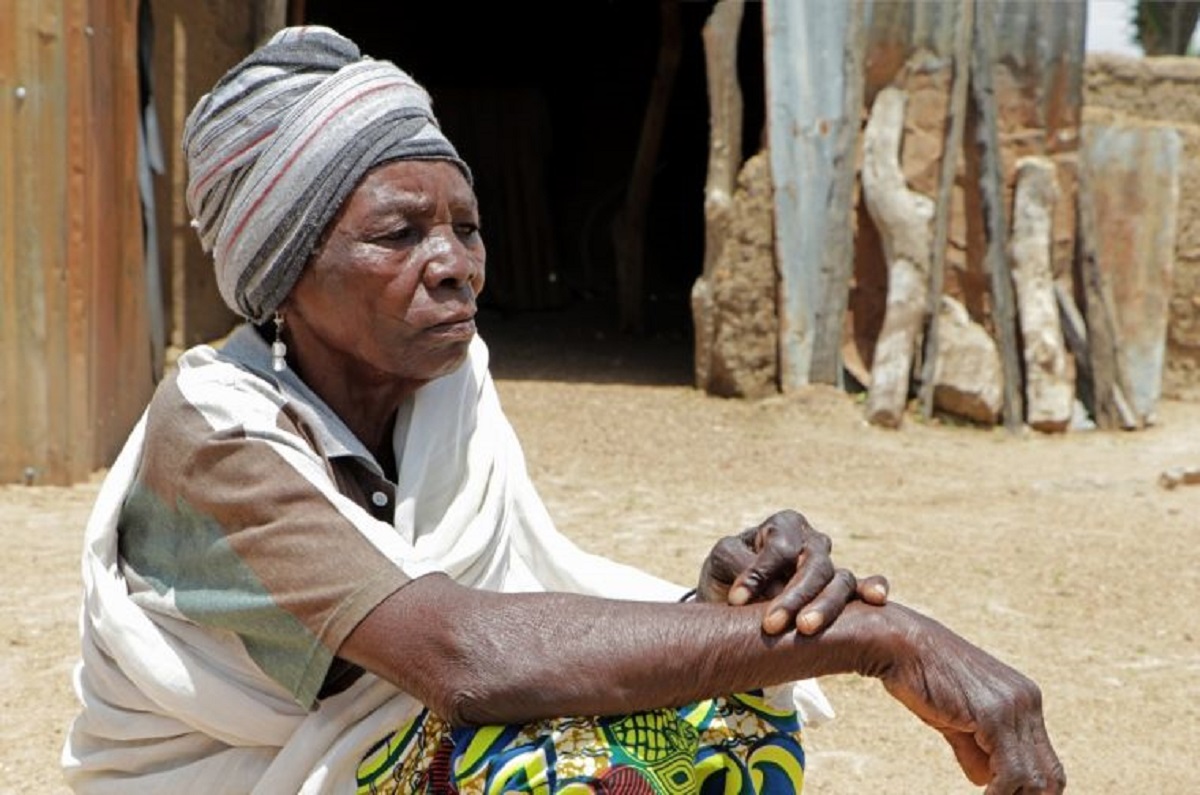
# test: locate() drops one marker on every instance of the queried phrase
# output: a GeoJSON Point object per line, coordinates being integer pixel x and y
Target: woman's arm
{"type": "Point", "coordinates": [481, 657]}
{"type": "Point", "coordinates": [477, 656]}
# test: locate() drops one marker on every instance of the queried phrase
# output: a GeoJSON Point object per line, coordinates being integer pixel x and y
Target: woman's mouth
{"type": "Point", "coordinates": [463, 327]}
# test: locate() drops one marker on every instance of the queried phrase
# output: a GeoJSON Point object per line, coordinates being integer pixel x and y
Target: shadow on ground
{"type": "Point", "coordinates": [582, 343]}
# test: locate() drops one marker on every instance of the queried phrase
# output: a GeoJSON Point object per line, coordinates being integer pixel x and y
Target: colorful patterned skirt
{"type": "Point", "coordinates": [738, 744]}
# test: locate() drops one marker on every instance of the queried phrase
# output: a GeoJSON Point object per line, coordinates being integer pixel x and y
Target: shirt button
{"type": "Point", "coordinates": [379, 498]}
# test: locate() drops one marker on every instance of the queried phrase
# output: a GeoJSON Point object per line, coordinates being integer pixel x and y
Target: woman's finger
{"type": "Point", "coordinates": [813, 600]}
{"type": "Point", "coordinates": [874, 590]}
{"type": "Point", "coordinates": [778, 544]}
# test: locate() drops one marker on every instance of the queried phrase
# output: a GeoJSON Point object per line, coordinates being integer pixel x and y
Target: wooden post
{"type": "Point", "coordinates": [903, 218]}
{"type": "Point", "coordinates": [269, 17]}
{"type": "Point", "coordinates": [33, 115]}
{"type": "Point", "coordinates": [964, 31]}
{"type": "Point", "coordinates": [121, 375]}
{"type": "Point", "coordinates": [629, 227]}
{"type": "Point", "coordinates": [995, 218]}
{"type": "Point", "coordinates": [720, 38]}
{"type": "Point", "coordinates": [1049, 387]}
{"type": "Point", "coordinates": [188, 60]}
{"type": "Point", "coordinates": [1109, 388]}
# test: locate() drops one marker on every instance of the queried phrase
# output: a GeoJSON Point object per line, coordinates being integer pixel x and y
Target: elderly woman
{"type": "Point", "coordinates": [319, 564]}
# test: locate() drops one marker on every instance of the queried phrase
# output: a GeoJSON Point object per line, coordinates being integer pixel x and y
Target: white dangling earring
{"type": "Point", "coordinates": [278, 347]}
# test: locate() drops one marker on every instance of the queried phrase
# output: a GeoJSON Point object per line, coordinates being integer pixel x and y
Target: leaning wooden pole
{"type": "Point", "coordinates": [995, 218]}
{"type": "Point", "coordinates": [720, 38]}
{"type": "Point", "coordinates": [903, 218]}
{"type": "Point", "coordinates": [629, 227]}
{"type": "Point", "coordinates": [1109, 386]}
{"type": "Point", "coordinates": [1049, 385]}
{"type": "Point", "coordinates": [941, 221]}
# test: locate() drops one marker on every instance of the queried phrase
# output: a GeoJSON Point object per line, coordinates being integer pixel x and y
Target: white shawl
{"type": "Point", "coordinates": [169, 707]}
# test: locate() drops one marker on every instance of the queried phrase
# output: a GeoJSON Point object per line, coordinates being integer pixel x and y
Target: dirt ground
{"type": "Point", "coordinates": [1062, 555]}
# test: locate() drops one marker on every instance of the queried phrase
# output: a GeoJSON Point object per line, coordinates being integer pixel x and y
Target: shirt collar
{"type": "Point", "coordinates": [247, 349]}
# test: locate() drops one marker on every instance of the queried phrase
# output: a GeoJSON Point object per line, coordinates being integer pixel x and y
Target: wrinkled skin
{"type": "Point", "coordinates": [387, 302]}
{"type": "Point", "coordinates": [785, 561]}
{"type": "Point", "coordinates": [386, 305]}
{"type": "Point", "coordinates": [989, 713]}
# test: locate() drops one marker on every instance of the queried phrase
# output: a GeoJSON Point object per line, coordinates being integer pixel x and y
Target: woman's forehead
{"type": "Point", "coordinates": [414, 185]}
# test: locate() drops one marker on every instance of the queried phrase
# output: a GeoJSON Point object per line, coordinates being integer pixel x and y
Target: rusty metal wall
{"type": "Point", "coordinates": [75, 365]}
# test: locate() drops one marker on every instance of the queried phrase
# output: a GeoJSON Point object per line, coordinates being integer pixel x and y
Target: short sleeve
{"type": "Point", "coordinates": [236, 519]}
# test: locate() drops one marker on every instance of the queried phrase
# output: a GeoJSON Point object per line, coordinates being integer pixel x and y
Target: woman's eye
{"type": "Point", "coordinates": [466, 230]}
{"type": "Point", "coordinates": [401, 234]}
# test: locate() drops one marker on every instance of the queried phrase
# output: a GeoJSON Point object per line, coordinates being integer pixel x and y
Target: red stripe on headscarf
{"type": "Point", "coordinates": [237, 231]}
{"type": "Point", "coordinates": [217, 168]}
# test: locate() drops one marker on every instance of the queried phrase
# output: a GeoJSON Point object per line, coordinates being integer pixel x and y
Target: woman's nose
{"type": "Point", "coordinates": [450, 262]}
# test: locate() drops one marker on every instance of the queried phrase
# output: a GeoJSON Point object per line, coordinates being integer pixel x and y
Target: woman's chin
{"type": "Point", "coordinates": [448, 358]}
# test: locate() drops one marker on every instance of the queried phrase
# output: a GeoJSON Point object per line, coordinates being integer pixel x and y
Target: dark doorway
{"type": "Point", "coordinates": [545, 101]}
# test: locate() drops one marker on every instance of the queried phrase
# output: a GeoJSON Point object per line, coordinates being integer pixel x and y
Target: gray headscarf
{"type": "Point", "coordinates": [281, 141]}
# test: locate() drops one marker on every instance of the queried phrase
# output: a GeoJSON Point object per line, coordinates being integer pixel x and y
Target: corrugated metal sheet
{"type": "Point", "coordinates": [74, 341]}
{"type": "Point", "coordinates": [805, 47]}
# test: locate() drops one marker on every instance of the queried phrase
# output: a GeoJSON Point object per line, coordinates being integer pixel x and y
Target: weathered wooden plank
{"type": "Point", "coordinates": [805, 93]}
{"type": "Point", "coordinates": [1108, 387]}
{"type": "Point", "coordinates": [904, 219]}
{"type": "Point", "coordinates": [97, 104]}
{"type": "Point", "coordinates": [1049, 387]}
{"type": "Point", "coordinates": [187, 61]}
{"type": "Point", "coordinates": [720, 37]}
{"type": "Point", "coordinates": [995, 217]}
{"type": "Point", "coordinates": [964, 29]}
{"type": "Point", "coordinates": [1133, 174]}
{"type": "Point", "coordinates": [61, 464]}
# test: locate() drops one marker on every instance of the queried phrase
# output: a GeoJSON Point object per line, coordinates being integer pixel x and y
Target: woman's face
{"type": "Point", "coordinates": [389, 296]}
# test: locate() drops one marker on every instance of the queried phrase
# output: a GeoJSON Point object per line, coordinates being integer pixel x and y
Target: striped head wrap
{"type": "Point", "coordinates": [281, 141]}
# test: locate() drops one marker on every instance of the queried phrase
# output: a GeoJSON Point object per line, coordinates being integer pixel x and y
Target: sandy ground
{"type": "Point", "coordinates": [1062, 555]}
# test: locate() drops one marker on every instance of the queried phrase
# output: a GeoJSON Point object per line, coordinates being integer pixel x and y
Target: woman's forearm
{"type": "Point", "coordinates": [482, 657]}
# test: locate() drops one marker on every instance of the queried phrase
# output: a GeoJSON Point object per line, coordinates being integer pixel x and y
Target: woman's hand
{"type": "Point", "coordinates": [990, 713]}
{"type": "Point", "coordinates": [785, 560]}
